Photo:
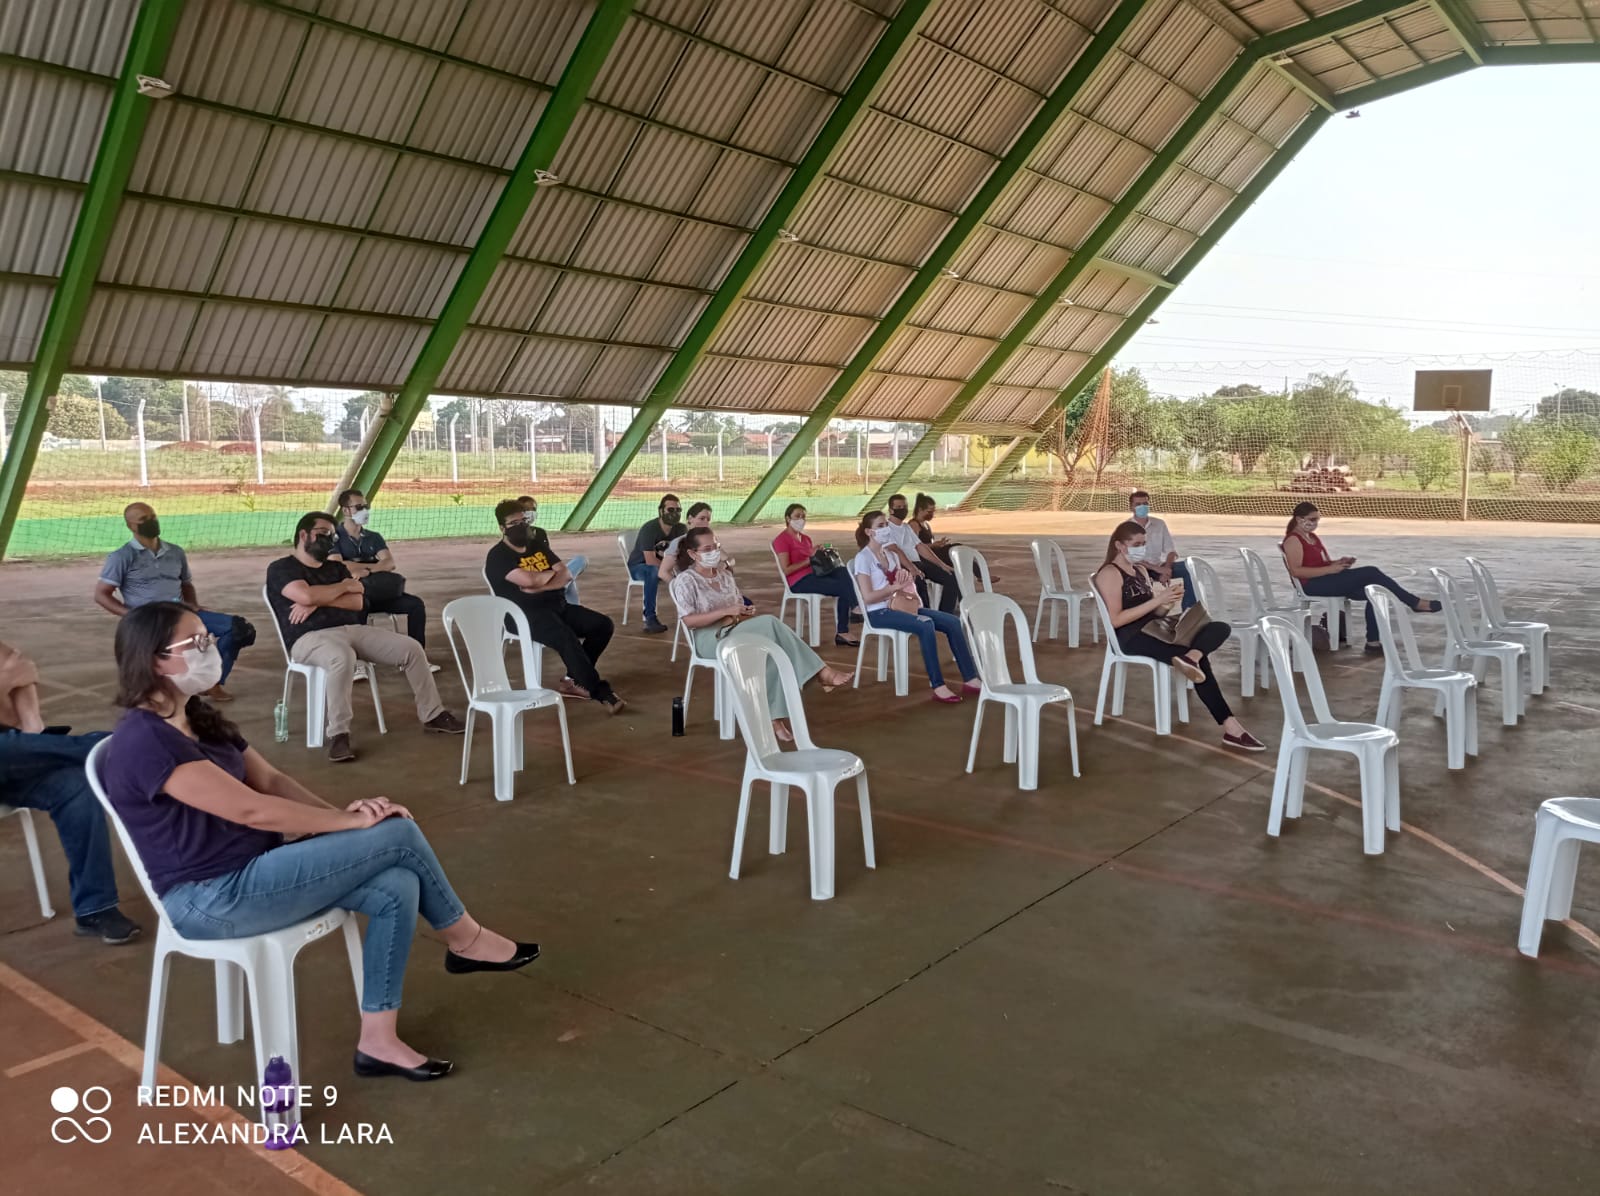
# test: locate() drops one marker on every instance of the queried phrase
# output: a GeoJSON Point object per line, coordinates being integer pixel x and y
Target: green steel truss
{"type": "Point", "coordinates": [892, 43]}
{"type": "Point", "coordinates": [928, 275]}
{"type": "Point", "coordinates": [148, 44]}
{"type": "Point", "coordinates": [604, 27]}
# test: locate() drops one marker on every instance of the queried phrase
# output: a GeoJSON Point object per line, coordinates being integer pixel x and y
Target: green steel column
{"type": "Point", "coordinates": [999, 469]}
{"type": "Point", "coordinates": [895, 40]}
{"type": "Point", "coordinates": [604, 27]}
{"type": "Point", "coordinates": [917, 289]}
{"type": "Point", "coordinates": [148, 44]}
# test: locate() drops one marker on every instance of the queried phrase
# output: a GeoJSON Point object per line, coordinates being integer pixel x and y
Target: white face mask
{"type": "Point", "coordinates": [711, 557]}
{"type": "Point", "coordinates": [799, 524]}
{"type": "Point", "coordinates": [359, 518]}
{"type": "Point", "coordinates": [204, 670]}
{"type": "Point", "coordinates": [883, 535]}
{"type": "Point", "coordinates": [1138, 552]}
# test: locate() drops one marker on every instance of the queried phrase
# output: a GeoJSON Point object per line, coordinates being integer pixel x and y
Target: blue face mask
{"type": "Point", "coordinates": [1142, 511]}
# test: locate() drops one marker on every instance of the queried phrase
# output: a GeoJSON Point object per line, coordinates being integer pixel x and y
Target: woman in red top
{"type": "Point", "coordinates": [794, 549]}
{"type": "Point", "coordinates": [1321, 576]}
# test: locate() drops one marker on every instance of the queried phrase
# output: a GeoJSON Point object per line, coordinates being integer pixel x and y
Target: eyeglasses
{"type": "Point", "coordinates": [199, 643]}
{"type": "Point", "coordinates": [672, 512]}
{"type": "Point", "coordinates": [511, 523]}
{"type": "Point", "coordinates": [360, 506]}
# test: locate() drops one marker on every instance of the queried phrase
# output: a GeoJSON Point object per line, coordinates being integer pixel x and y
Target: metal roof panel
{"type": "Point", "coordinates": [89, 35]}
{"type": "Point", "coordinates": [515, 295]}
{"type": "Point", "coordinates": [554, 224]}
{"type": "Point", "coordinates": [236, 53]}
{"type": "Point", "coordinates": [698, 255]}
{"type": "Point", "coordinates": [479, 361]}
{"type": "Point", "coordinates": [660, 316]}
{"type": "Point", "coordinates": [738, 190]}
{"type": "Point", "coordinates": [23, 307]}
{"type": "Point", "coordinates": [784, 119]}
{"type": "Point", "coordinates": [356, 85]}
{"type": "Point", "coordinates": [246, 341]}
{"type": "Point", "coordinates": [549, 368]}
{"type": "Point", "coordinates": [437, 201]}
{"type": "Point", "coordinates": [136, 333]}
{"type": "Point", "coordinates": [624, 240]}
{"type": "Point", "coordinates": [583, 305]}
{"type": "Point", "coordinates": [162, 245]}
{"type": "Point", "coordinates": [36, 223]}
{"type": "Point", "coordinates": [50, 124]}
{"type": "Point", "coordinates": [399, 279]}
{"type": "Point", "coordinates": [533, 41]}
{"type": "Point", "coordinates": [623, 373]}
{"type": "Point", "coordinates": [210, 157]}
{"type": "Point", "coordinates": [426, 23]}
{"type": "Point", "coordinates": [831, 42]}
{"type": "Point", "coordinates": [368, 350]}
{"type": "Point", "coordinates": [315, 177]}
{"type": "Point", "coordinates": [469, 114]}
{"type": "Point", "coordinates": [288, 263]}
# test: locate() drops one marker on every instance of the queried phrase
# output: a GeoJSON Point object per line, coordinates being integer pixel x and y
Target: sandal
{"type": "Point", "coordinates": [840, 679]}
{"type": "Point", "coordinates": [845, 641]}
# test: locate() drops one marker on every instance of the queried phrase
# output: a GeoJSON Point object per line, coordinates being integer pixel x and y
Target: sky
{"type": "Point", "coordinates": [1459, 218]}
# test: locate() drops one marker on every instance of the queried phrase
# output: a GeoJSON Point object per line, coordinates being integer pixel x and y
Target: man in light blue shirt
{"type": "Point", "coordinates": [148, 569]}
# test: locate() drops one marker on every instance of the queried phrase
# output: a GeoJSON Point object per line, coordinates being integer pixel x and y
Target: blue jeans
{"type": "Point", "coordinates": [1353, 583]}
{"type": "Point", "coordinates": [221, 628]}
{"type": "Point", "coordinates": [926, 625]}
{"type": "Point", "coordinates": [648, 574]}
{"type": "Point", "coordinates": [45, 772]}
{"type": "Point", "coordinates": [387, 872]}
{"type": "Point", "coordinates": [836, 583]}
{"type": "Point", "coordinates": [1180, 572]}
{"type": "Point", "coordinates": [575, 566]}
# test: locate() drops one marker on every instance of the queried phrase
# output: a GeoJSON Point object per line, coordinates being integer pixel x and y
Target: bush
{"type": "Point", "coordinates": [77, 418]}
{"type": "Point", "coordinates": [1567, 456]}
{"type": "Point", "coordinates": [1433, 457]}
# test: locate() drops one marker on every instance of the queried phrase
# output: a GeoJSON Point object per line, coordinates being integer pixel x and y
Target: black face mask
{"type": "Point", "coordinates": [149, 528]}
{"type": "Point", "coordinates": [898, 512]}
{"type": "Point", "coordinates": [517, 536]}
{"type": "Point", "coordinates": [318, 547]}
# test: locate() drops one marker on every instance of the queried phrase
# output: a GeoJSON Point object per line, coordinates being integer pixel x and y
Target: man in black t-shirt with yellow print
{"type": "Point", "coordinates": [523, 568]}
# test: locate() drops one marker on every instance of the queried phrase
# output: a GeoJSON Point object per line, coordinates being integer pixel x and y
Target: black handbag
{"type": "Point", "coordinates": [825, 561]}
{"type": "Point", "coordinates": [383, 587]}
{"type": "Point", "coordinates": [244, 632]}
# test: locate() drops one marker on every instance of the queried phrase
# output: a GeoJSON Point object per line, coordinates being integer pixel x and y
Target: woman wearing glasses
{"type": "Point", "coordinates": [211, 820]}
{"type": "Point", "coordinates": [709, 603]}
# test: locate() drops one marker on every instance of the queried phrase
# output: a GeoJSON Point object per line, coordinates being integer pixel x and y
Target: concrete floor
{"type": "Point", "coordinates": [1117, 984]}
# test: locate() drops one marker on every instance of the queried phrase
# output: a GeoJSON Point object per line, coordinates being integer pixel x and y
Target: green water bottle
{"type": "Point", "coordinates": [280, 722]}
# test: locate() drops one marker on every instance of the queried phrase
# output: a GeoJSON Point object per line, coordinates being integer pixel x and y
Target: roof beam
{"type": "Point", "coordinates": [148, 45]}
{"type": "Point", "coordinates": [601, 33]}
{"type": "Point", "coordinates": [1396, 84]}
{"type": "Point", "coordinates": [1303, 81]}
{"type": "Point", "coordinates": [892, 43]}
{"type": "Point", "coordinates": [998, 470]}
{"type": "Point", "coordinates": [1561, 52]}
{"type": "Point", "coordinates": [1014, 162]}
{"type": "Point", "coordinates": [1458, 20]}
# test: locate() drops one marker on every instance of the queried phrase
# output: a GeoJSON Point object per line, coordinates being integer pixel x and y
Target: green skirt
{"type": "Point", "coordinates": [807, 664]}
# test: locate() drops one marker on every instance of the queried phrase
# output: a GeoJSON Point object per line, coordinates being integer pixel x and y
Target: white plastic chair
{"type": "Point", "coordinates": [633, 583]}
{"type": "Point", "coordinates": [1114, 676]}
{"type": "Point", "coordinates": [804, 603]}
{"type": "Point", "coordinates": [481, 622]}
{"type": "Point", "coordinates": [1377, 749]}
{"type": "Point", "coordinates": [720, 700]}
{"type": "Point", "coordinates": [1253, 666]}
{"type": "Point", "coordinates": [889, 640]}
{"type": "Point", "coordinates": [1560, 828]}
{"type": "Point", "coordinates": [535, 679]}
{"type": "Point", "coordinates": [1461, 644]}
{"type": "Point", "coordinates": [30, 837]}
{"type": "Point", "coordinates": [317, 685]}
{"type": "Point", "coordinates": [1403, 669]}
{"type": "Point", "coordinates": [983, 619]}
{"type": "Point", "coordinates": [971, 568]}
{"type": "Point", "coordinates": [1534, 636]}
{"type": "Point", "coordinates": [1056, 586]}
{"type": "Point", "coordinates": [264, 962]}
{"type": "Point", "coordinates": [1264, 599]}
{"type": "Point", "coordinates": [816, 771]}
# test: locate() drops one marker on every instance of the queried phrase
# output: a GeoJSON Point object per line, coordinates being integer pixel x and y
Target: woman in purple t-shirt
{"type": "Point", "coordinates": [209, 817]}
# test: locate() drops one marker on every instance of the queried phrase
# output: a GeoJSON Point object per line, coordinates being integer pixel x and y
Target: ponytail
{"type": "Point", "coordinates": [1295, 516]}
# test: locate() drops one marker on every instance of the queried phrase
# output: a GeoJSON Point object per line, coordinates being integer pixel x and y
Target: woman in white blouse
{"type": "Point", "coordinates": [890, 594]}
{"type": "Point", "coordinates": [707, 596]}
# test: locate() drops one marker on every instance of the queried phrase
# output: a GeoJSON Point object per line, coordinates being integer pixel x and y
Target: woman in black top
{"type": "Point", "coordinates": [1132, 601]}
{"type": "Point", "coordinates": [921, 516]}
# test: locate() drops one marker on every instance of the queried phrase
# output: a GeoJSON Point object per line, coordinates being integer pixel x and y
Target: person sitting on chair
{"type": "Point", "coordinates": [644, 562]}
{"type": "Point", "coordinates": [319, 609]}
{"type": "Point", "coordinates": [575, 564]}
{"type": "Point", "coordinates": [1161, 553]}
{"type": "Point", "coordinates": [926, 563]}
{"type": "Point", "coordinates": [1320, 576]}
{"type": "Point", "coordinates": [150, 569]}
{"type": "Point", "coordinates": [893, 602]}
{"type": "Point", "coordinates": [367, 556]}
{"type": "Point", "coordinates": [921, 521]}
{"type": "Point", "coordinates": [523, 568]}
{"type": "Point", "coordinates": [41, 768]}
{"type": "Point", "coordinates": [699, 515]}
{"type": "Point", "coordinates": [795, 550]}
{"type": "Point", "coordinates": [711, 607]}
{"type": "Point", "coordinates": [1133, 602]}
{"type": "Point", "coordinates": [209, 818]}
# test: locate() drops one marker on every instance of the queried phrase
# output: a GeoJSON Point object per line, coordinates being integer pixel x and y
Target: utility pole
{"type": "Point", "coordinates": [144, 469]}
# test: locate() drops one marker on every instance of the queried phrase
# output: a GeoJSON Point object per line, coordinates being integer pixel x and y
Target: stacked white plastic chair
{"type": "Point", "coordinates": [479, 620]}
{"type": "Point", "coordinates": [1403, 669]}
{"type": "Point", "coordinates": [1208, 590]}
{"type": "Point", "coordinates": [1560, 828]}
{"type": "Point", "coordinates": [889, 640]}
{"type": "Point", "coordinates": [804, 604]}
{"type": "Point", "coordinates": [1055, 588]}
{"type": "Point", "coordinates": [1533, 636]}
{"type": "Point", "coordinates": [971, 568]}
{"type": "Point", "coordinates": [1376, 748]}
{"type": "Point", "coordinates": [984, 618]}
{"type": "Point", "coordinates": [1113, 678]}
{"type": "Point", "coordinates": [30, 838]}
{"type": "Point", "coordinates": [1463, 644]}
{"type": "Point", "coordinates": [633, 583]}
{"type": "Point", "coordinates": [317, 685]}
{"type": "Point", "coordinates": [264, 963]}
{"type": "Point", "coordinates": [817, 772]}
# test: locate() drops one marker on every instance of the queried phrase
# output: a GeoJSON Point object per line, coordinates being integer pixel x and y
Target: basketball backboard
{"type": "Point", "coordinates": [1452, 390]}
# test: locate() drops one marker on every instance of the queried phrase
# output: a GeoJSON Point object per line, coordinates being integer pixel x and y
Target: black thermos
{"type": "Point", "coordinates": [677, 716]}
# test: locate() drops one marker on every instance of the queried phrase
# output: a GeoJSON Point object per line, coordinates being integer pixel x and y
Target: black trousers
{"type": "Point", "coordinates": [409, 605]}
{"type": "Point", "coordinates": [579, 635]}
{"type": "Point", "coordinates": [1208, 639]}
{"type": "Point", "coordinates": [949, 596]}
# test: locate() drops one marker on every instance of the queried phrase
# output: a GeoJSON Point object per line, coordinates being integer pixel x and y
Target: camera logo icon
{"type": "Point", "coordinates": [93, 1100]}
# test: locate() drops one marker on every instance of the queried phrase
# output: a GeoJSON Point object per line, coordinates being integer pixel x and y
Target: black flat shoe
{"type": "Point", "coordinates": [460, 964]}
{"type": "Point", "coordinates": [845, 642]}
{"type": "Point", "coordinates": [428, 1069]}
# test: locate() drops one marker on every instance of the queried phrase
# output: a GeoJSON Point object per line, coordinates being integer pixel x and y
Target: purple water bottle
{"type": "Point", "coordinates": [277, 1104]}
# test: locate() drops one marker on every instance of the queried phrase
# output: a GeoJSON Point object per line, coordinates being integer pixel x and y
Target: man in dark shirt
{"type": "Point", "coordinates": [366, 554]}
{"type": "Point", "coordinates": [319, 607]}
{"type": "Point", "coordinates": [644, 562]}
{"type": "Point", "coordinates": [523, 568]}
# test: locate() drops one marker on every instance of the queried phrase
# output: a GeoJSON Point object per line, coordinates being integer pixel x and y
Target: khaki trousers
{"type": "Point", "coordinates": [337, 649]}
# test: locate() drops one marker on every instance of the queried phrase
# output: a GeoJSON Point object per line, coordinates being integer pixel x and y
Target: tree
{"type": "Point", "coordinates": [1571, 408]}
{"type": "Point", "coordinates": [1567, 455]}
{"type": "Point", "coordinates": [356, 410]}
{"type": "Point", "coordinates": [163, 404]}
{"type": "Point", "coordinates": [1326, 417]}
{"type": "Point", "coordinates": [76, 418]}
{"type": "Point", "coordinates": [1433, 456]}
{"type": "Point", "coordinates": [1522, 439]}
